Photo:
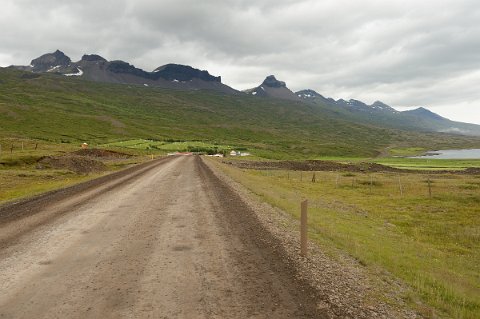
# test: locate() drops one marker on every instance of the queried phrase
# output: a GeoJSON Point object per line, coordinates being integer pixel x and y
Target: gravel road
{"type": "Point", "coordinates": [167, 239]}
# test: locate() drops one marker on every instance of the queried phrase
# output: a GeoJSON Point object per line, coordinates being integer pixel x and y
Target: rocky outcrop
{"type": "Point", "coordinates": [271, 87]}
{"type": "Point", "coordinates": [93, 58]}
{"type": "Point", "coordinates": [272, 82]}
{"type": "Point", "coordinates": [50, 62]}
{"type": "Point", "coordinates": [178, 72]}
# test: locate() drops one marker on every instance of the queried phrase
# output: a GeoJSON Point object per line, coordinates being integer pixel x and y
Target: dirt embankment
{"type": "Point", "coordinates": [317, 165]}
{"type": "Point", "coordinates": [102, 154]}
{"type": "Point", "coordinates": [313, 165]}
{"type": "Point", "coordinates": [82, 161]}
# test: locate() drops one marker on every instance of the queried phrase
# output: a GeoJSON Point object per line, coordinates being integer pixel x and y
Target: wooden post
{"type": "Point", "coordinates": [336, 182]}
{"type": "Point", "coordinates": [11, 149]}
{"type": "Point", "coordinates": [36, 146]}
{"type": "Point", "coordinates": [288, 175]}
{"type": "Point", "coordinates": [313, 178]}
{"type": "Point", "coordinates": [303, 228]}
{"type": "Point", "coordinates": [371, 183]}
{"type": "Point", "coordinates": [400, 186]}
{"type": "Point", "coordinates": [22, 145]}
{"type": "Point", "coordinates": [429, 188]}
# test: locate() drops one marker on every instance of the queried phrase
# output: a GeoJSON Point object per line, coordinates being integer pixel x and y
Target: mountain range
{"type": "Point", "coordinates": [175, 76]}
{"type": "Point", "coordinates": [96, 68]}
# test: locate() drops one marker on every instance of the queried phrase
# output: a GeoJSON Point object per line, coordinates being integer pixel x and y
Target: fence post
{"type": "Point", "coordinates": [303, 228]}
{"type": "Point", "coordinates": [313, 178]}
{"type": "Point", "coordinates": [400, 186]}
{"type": "Point", "coordinates": [429, 188]}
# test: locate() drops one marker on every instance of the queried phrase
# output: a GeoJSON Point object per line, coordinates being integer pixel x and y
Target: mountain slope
{"type": "Point", "coordinates": [96, 68]}
{"type": "Point", "coordinates": [271, 87]}
{"type": "Point", "coordinates": [381, 114]}
{"type": "Point", "coordinates": [72, 110]}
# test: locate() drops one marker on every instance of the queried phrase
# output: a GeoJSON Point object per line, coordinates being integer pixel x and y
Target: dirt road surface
{"type": "Point", "coordinates": [165, 240]}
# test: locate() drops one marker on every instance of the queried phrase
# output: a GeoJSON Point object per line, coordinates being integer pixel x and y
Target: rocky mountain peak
{"type": "Point", "coordinates": [119, 66]}
{"type": "Point", "coordinates": [183, 73]}
{"type": "Point", "coordinates": [50, 61]}
{"type": "Point", "coordinates": [93, 58]}
{"type": "Point", "coordinates": [271, 81]}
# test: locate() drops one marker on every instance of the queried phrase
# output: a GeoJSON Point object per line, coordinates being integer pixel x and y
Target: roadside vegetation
{"type": "Point", "coordinates": [64, 110]}
{"type": "Point", "coordinates": [419, 227]}
{"type": "Point", "coordinates": [173, 146]}
{"type": "Point", "coordinates": [31, 167]}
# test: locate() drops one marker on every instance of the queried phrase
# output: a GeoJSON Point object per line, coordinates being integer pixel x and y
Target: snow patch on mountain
{"type": "Point", "coordinates": [79, 73]}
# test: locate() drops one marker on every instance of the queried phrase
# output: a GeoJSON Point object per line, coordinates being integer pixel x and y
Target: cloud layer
{"type": "Point", "coordinates": [405, 53]}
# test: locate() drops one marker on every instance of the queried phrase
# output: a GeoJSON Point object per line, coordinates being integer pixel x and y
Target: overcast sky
{"type": "Point", "coordinates": [402, 52]}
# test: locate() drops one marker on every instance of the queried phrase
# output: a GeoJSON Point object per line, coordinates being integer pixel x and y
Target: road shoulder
{"type": "Point", "coordinates": [343, 287]}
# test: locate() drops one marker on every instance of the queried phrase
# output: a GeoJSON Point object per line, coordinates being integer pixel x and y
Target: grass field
{"type": "Point", "coordinates": [428, 164]}
{"type": "Point", "coordinates": [171, 146]}
{"type": "Point", "coordinates": [64, 110]}
{"type": "Point", "coordinates": [20, 177]}
{"type": "Point", "coordinates": [391, 225]}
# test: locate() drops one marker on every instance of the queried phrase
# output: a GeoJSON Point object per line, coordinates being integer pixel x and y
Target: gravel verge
{"type": "Point", "coordinates": [344, 288]}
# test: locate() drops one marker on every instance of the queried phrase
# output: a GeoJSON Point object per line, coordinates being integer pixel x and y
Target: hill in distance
{"type": "Point", "coordinates": [69, 109]}
{"type": "Point", "coordinates": [381, 114]}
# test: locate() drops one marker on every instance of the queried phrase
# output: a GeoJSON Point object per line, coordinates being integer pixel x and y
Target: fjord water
{"type": "Point", "coordinates": [453, 154]}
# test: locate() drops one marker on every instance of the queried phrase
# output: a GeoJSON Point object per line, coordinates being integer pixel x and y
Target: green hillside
{"type": "Point", "coordinates": [420, 120]}
{"type": "Point", "coordinates": [67, 110]}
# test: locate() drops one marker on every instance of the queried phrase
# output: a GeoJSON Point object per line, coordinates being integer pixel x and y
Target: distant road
{"type": "Point", "coordinates": [166, 239]}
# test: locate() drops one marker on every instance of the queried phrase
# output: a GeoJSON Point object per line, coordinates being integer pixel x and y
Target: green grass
{"type": "Point", "coordinates": [21, 183]}
{"type": "Point", "coordinates": [432, 244]}
{"type": "Point", "coordinates": [428, 164]}
{"type": "Point", "coordinates": [20, 178]}
{"type": "Point", "coordinates": [165, 146]}
{"type": "Point", "coordinates": [407, 151]}
{"type": "Point", "coordinates": [70, 111]}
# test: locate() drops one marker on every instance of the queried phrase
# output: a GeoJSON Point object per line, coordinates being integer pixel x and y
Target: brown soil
{"type": "Point", "coordinates": [77, 164]}
{"type": "Point", "coordinates": [313, 165]}
{"type": "Point", "coordinates": [473, 171]}
{"type": "Point", "coordinates": [317, 165]}
{"type": "Point", "coordinates": [100, 153]}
